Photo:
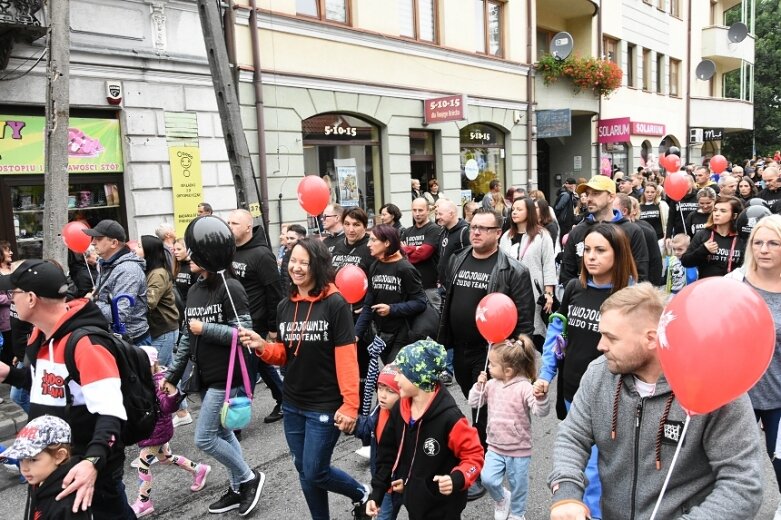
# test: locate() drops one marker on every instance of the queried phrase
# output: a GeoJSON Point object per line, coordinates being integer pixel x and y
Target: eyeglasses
{"type": "Point", "coordinates": [16, 291]}
{"type": "Point", "coordinates": [772, 245]}
{"type": "Point", "coordinates": [327, 216]}
{"type": "Point", "coordinates": [483, 229]}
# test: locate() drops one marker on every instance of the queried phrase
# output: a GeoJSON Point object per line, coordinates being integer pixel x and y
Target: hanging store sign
{"type": "Point", "coordinates": [94, 145]}
{"type": "Point", "coordinates": [554, 123]}
{"type": "Point", "coordinates": [443, 109]}
{"type": "Point", "coordinates": [186, 183]}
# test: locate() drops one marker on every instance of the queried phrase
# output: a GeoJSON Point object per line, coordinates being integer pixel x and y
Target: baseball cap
{"type": "Point", "coordinates": [38, 276]}
{"type": "Point", "coordinates": [107, 228]}
{"type": "Point", "coordinates": [39, 433]}
{"type": "Point", "coordinates": [387, 377]}
{"type": "Point", "coordinates": [570, 180]}
{"type": "Point", "coordinates": [598, 183]}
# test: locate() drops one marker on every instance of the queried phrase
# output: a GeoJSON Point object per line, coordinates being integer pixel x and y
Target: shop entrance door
{"type": "Point", "coordinates": [423, 164]}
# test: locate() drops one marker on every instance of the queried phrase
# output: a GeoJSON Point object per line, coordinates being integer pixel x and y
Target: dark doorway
{"type": "Point", "coordinates": [544, 183]}
{"type": "Point", "coordinates": [423, 165]}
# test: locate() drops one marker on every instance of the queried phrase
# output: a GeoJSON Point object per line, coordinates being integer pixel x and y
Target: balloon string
{"type": "Point", "coordinates": [230, 297]}
{"type": "Point", "coordinates": [480, 398]}
{"type": "Point", "coordinates": [683, 220]}
{"type": "Point", "coordinates": [672, 465]}
{"type": "Point", "coordinates": [91, 279]}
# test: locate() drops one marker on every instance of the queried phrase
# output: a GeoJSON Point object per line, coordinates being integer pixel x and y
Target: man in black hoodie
{"type": "Point", "coordinates": [255, 267]}
{"type": "Point", "coordinates": [38, 290]}
{"type": "Point", "coordinates": [630, 209]}
{"type": "Point", "coordinates": [601, 191]}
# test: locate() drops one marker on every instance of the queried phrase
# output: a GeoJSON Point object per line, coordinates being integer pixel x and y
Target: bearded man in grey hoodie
{"type": "Point", "coordinates": [626, 407]}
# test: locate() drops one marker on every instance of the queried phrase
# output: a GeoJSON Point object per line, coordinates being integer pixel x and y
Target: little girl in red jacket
{"type": "Point", "coordinates": [157, 446]}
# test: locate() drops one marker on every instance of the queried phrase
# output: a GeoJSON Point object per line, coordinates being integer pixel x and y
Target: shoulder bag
{"type": "Point", "coordinates": [236, 411]}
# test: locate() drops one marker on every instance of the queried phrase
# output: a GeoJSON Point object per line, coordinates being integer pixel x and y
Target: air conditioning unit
{"type": "Point", "coordinates": [695, 136]}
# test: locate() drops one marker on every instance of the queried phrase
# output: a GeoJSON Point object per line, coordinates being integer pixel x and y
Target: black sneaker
{"type": "Point", "coordinates": [227, 502]}
{"type": "Point", "coordinates": [275, 415]}
{"type": "Point", "coordinates": [475, 491]}
{"type": "Point", "coordinates": [250, 492]}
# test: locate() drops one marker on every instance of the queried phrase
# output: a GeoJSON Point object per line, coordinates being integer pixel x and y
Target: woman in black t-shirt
{"type": "Point", "coordinates": [317, 343]}
{"type": "Point", "coordinates": [717, 249]}
{"type": "Point", "coordinates": [395, 292]}
{"type": "Point", "coordinates": [653, 209]}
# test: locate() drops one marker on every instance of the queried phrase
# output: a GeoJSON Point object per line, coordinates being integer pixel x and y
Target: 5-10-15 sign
{"type": "Point", "coordinates": [443, 109]}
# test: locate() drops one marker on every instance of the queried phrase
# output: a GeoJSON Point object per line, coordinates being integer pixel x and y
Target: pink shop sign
{"type": "Point", "coordinates": [613, 130]}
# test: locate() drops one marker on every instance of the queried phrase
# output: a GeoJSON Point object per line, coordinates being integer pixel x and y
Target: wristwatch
{"type": "Point", "coordinates": [93, 460]}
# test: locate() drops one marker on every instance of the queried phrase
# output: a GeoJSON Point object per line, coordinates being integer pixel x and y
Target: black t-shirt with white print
{"type": "Point", "coordinates": [394, 282]}
{"type": "Point", "coordinates": [353, 254]}
{"type": "Point", "coordinates": [311, 333]}
{"type": "Point", "coordinates": [429, 235]}
{"type": "Point", "coordinates": [469, 287]}
{"type": "Point", "coordinates": [653, 215]}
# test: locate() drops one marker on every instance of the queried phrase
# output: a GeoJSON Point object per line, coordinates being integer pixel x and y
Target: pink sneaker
{"type": "Point", "coordinates": [142, 509]}
{"type": "Point", "coordinates": [201, 472]}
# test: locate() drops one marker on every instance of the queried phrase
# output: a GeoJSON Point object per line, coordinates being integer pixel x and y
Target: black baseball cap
{"type": "Point", "coordinates": [107, 228]}
{"type": "Point", "coordinates": [38, 276]}
{"type": "Point", "coordinates": [570, 180]}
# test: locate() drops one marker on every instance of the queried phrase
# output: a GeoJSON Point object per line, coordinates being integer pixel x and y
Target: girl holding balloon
{"type": "Point", "coordinates": [762, 271]}
{"type": "Point", "coordinates": [717, 249]}
{"type": "Point", "coordinates": [607, 267]}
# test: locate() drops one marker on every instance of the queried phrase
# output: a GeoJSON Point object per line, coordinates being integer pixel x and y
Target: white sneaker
{"type": "Point", "coordinates": [181, 421]}
{"type": "Point", "coordinates": [778, 512]}
{"type": "Point", "coordinates": [516, 517]}
{"type": "Point", "coordinates": [502, 508]}
{"type": "Point", "coordinates": [365, 452]}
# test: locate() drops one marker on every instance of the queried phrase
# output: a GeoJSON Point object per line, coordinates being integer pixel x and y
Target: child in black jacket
{"type": "Point", "coordinates": [428, 452]}
{"type": "Point", "coordinates": [43, 450]}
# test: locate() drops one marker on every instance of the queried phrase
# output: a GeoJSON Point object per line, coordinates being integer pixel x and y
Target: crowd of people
{"type": "Point", "coordinates": [603, 256]}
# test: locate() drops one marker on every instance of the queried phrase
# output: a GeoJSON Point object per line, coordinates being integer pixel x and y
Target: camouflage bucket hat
{"type": "Point", "coordinates": [39, 433]}
{"type": "Point", "coordinates": [421, 363]}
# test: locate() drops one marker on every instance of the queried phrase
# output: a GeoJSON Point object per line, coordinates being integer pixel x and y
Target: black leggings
{"type": "Point", "coordinates": [467, 365]}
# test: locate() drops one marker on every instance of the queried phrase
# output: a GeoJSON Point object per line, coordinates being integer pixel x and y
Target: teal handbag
{"type": "Point", "coordinates": [236, 411]}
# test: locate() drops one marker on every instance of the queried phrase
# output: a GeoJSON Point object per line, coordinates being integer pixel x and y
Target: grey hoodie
{"type": "Point", "coordinates": [123, 274]}
{"type": "Point", "coordinates": [718, 472]}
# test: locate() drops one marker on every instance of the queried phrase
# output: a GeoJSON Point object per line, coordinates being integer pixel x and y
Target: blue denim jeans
{"type": "Point", "coordinates": [391, 505]}
{"type": "Point", "coordinates": [770, 420]}
{"type": "Point", "coordinates": [218, 442]}
{"type": "Point", "coordinates": [311, 437]}
{"type": "Point", "coordinates": [143, 341]}
{"type": "Point", "coordinates": [517, 470]}
{"type": "Point", "coordinates": [164, 344]}
{"type": "Point", "coordinates": [21, 396]}
{"type": "Point", "coordinates": [593, 493]}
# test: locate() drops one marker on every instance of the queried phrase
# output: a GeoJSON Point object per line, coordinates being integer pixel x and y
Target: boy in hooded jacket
{"type": "Point", "coordinates": [428, 451]}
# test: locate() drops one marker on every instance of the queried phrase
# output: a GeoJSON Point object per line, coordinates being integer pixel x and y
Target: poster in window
{"type": "Point", "coordinates": [347, 176]}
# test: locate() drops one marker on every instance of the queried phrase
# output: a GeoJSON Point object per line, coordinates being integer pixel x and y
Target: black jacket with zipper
{"type": "Point", "coordinates": [41, 503]}
{"type": "Point", "coordinates": [508, 277]}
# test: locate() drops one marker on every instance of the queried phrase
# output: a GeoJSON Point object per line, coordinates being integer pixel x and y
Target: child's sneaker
{"type": "Point", "coordinates": [199, 480]}
{"type": "Point", "coordinates": [142, 509]}
{"type": "Point", "coordinates": [516, 517]}
{"type": "Point", "coordinates": [359, 508]}
{"type": "Point", "coordinates": [502, 508]}
{"type": "Point", "coordinates": [364, 452]}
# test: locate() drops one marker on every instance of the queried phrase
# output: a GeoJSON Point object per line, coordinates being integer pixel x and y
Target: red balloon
{"type": "Point", "coordinates": [710, 366]}
{"type": "Point", "coordinates": [718, 163]}
{"type": "Point", "coordinates": [352, 283]}
{"type": "Point", "coordinates": [313, 194]}
{"type": "Point", "coordinates": [672, 163]}
{"type": "Point", "coordinates": [496, 317]}
{"type": "Point", "coordinates": [663, 161]}
{"type": "Point", "coordinates": [677, 186]}
{"type": "Point", "coordinates": [74, 237]}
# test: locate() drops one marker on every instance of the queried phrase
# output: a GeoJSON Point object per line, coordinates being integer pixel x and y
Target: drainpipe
{"type": "Point", "coordinates": [599, 109]}
{"type": "Point", "coordinates": [258, 84]}
{"type": "Point", "coordinates": [530, 97]}
{"type": "Point", "coordinates": [688, 82]}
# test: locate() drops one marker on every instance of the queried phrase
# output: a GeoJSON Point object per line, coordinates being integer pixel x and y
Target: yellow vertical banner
{"type": "Point", "coordinates": [187, 184]}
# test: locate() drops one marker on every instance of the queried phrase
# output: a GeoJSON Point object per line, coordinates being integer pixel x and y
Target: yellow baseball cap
{"type": "Point", "coordinates": [598, 183]}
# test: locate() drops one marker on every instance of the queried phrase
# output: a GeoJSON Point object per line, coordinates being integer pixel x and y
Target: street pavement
{"type": "Point", "coordinates": [265, 449]}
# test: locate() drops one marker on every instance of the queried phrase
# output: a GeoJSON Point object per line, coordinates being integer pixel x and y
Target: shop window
{"type": "Point", "coordinates": [489, 27]}
{"type": "Point", "coordinates": [331, 10]}
{"type": "Point", "coordinates": [630, 65]}
{"type": "Point", "coordinates": [647, 78]}
{"type": "Point", "coordinates": [418, 19]}
{"type": "Point", "coordinates": [482, 158]}
{"type": "Point", "coordinates": [615, 157]}
{"type": "Point", "coordinates": [610, 47]}
{"type": "Point", "coordinates": [345, 151]}
{"type": "Point", "coordinates": [675, 77]}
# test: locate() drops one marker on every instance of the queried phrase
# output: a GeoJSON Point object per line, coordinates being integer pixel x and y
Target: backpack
{"type": "Point", "coordinates": [139, 396]}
